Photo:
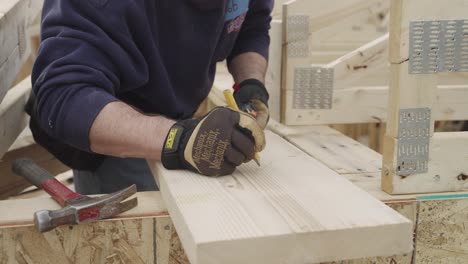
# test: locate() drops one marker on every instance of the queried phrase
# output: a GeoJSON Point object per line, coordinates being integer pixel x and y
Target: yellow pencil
{"type": "Point", "coordinates": [232, 103]}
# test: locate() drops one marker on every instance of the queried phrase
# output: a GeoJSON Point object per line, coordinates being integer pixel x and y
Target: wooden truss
{"type": "Point", "coordinates": [446, 154]}
{"type": "Point", "coordinates": [353, 86]}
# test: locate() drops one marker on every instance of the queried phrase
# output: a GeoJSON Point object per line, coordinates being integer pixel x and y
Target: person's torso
{"type": "Point", "coordinates": [180, 43]}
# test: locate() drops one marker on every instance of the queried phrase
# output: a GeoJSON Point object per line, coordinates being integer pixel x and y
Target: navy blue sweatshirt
{"type": "Point", "coordinates": [156, 55]}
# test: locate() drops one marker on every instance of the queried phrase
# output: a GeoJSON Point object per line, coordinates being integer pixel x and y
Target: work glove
{"type": "Point", "coordinates": [214, 144]}
{"type": "Point", "coordinates": [252, 97]}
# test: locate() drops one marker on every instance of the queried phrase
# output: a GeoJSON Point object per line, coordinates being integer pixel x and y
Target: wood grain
{"type": "Point", "coordinates": [282, 212]}
{"type": "Point", "coordinates": [337, 151]}
{"type": "Point", "coordinates": [13, 119]}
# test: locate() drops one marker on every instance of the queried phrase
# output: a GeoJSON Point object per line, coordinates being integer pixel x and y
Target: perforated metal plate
{"type": "Point", "coordinates": [413, 141]}
{"type": "Point", "coordinates": [438, 46]}
{"type": "Point", "coordinates": [313, 88]}
{"type": "Point", "coordinates": [298, 28]}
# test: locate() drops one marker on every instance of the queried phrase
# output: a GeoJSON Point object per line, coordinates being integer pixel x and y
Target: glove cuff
{"type": "Point", "coordinates": [251, 89]}
{"type": "Point", "coordinates": [170, 156]}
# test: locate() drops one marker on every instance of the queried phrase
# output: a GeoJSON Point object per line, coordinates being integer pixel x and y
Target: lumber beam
{"type": "Point", "coordinates": [13, 119]}
{"type": "Point", "coordinates": [273, 76]}
{"type": "Point", "coordinates": [337, 151]}
{"type": "Point", "coordinates": [369, 105]}
{"type": "Point", "coordinates": [15, 18]}
{"type": "Point", "coordinates": [359, 62]}
{"type": "Point", "coordinates": [447, 167]}
{"type": "Point", "coordinates": [278, 213]}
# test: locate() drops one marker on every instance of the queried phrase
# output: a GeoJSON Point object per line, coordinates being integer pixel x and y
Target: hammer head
{"type": "Point", "coordinates": [85, 209]}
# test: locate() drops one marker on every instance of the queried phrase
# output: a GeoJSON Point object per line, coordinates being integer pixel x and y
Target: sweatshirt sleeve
{"type": "Point", "coordinates": [253, 36]}
{"type": "Point", "coordinates": [76, 73]}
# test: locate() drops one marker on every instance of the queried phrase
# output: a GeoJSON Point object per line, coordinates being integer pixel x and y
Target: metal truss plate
{"type": "Point", "coordinates": [313, 88]}
{"type": "Point", "coordinates": [413, 141]}
{"type": "Point", "coordinates": [298, 31]}
{"type": "Point", "coordinates": [438, 46]}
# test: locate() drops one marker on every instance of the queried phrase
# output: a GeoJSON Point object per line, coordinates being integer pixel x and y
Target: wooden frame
{"type": "Point", "coordinates": [333, 18]}
{"type": "Point", "coordinates": [447, 166]}
{"type": "Point", "coordinates": [359, 77]}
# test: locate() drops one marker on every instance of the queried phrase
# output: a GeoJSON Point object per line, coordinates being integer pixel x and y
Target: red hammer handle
{"type": "Point", "coordinates": [43, 179]}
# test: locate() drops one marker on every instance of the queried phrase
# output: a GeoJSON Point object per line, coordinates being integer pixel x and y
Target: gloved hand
{"type": "Point", "coordinates": [252, 97]}
{"type": "Point", "coordinates": [214, 144]}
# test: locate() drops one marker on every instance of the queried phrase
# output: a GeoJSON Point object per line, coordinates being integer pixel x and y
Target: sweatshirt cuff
{"type": "Point", "coordinates": [83, 109]}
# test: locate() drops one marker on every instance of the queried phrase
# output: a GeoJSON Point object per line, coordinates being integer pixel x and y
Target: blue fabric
{"type": "Point", "coordinates": [156, 55]}
{"type": "Point", "coordinates": [115, 174]}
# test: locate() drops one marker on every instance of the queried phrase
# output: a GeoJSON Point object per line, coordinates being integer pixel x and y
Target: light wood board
{"type": "Point", "coordinates": [273, 76]}
{"type": "Point", "coordinates": [291, 210]}
{"type": "Point", "coordinates": [15, 17]}
{"type": "Point", "coordinates": [369, 105]}
{"type": "Point", "coordinates": [12, 116]}
{"type": "Point", "coordinates": [337, 151]}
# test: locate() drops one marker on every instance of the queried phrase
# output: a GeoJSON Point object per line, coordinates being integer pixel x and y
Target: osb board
{"type": "Point", "coordinates": [120, 241]}
{"type": "Point", "coordinates": [407, 209]}
{"type": "Point", "coordinates": [142, 235]}
{"type": "Point", "coordinates": [442, 232]}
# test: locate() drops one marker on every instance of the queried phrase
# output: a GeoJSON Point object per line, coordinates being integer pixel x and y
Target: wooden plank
{"type": "Point", "coordinates": [12, 16]}
{"type": "Point", "coordinates": [8, 71]}
{"type": "Point", "coordinates": [408, 91]}
{"type": "Point", "coordinates": [279, 213]}
{"type": "Point", "coordinates": [273, 76]}
{"type": "Point", "coordinates": [12, 116]}
{"type": "Point", "coordinates": [15, 17]}
{"type": "Point", "coordinates": [369, 105]}
{"type": "Point", "coordinates": [337, 151]}
{"type": "Point", "coordinates": [448, 166]}
{"type": "Point", "coordinates": [359, 62]}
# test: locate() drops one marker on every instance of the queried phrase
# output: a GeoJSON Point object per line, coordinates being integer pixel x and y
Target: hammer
{"type": "Point", "coordinates": [77, 208]}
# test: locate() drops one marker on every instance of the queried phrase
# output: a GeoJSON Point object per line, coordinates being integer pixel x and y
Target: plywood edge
{"type": "Point", "coordinates": [20, 212]}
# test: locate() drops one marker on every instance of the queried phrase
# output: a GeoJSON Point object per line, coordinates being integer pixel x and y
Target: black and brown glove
{"type": "Point", "coordinates": [214, 144]}
{"type": "Point", "coordinates": [252, 97]}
